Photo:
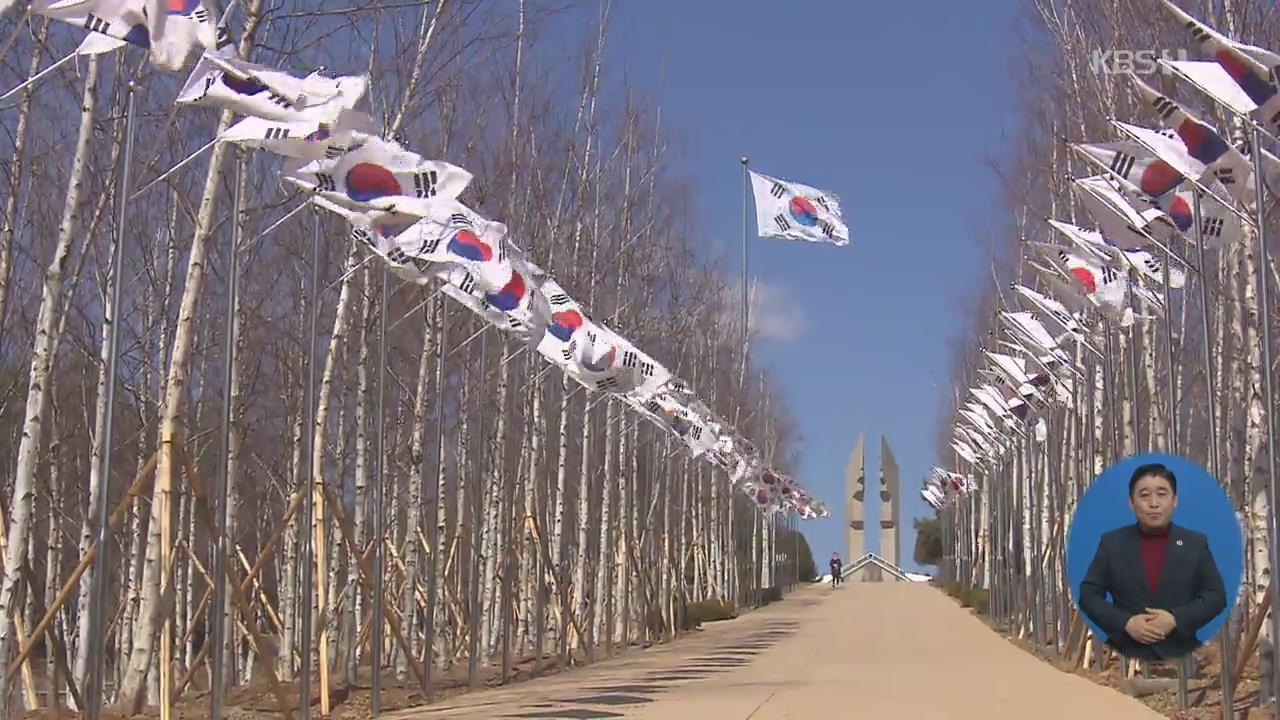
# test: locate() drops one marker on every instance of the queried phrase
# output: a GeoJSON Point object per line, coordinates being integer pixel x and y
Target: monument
{"type": "Point", "coordinates": [889, 513]}
{"type": "Point", "coordinates": [861, 564]}
{"type": "Point", "coordinates": [855, 478]}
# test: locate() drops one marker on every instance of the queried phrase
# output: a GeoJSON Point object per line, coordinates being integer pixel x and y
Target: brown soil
{"type": "Point", "coordinates": [1204, 693]}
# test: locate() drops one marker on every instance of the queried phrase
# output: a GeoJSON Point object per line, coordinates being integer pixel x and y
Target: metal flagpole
{"type": "Point", "coordinates": [36, 78]}
{"type": "Point", "coordinates": [1227, 656]}
{"type": "Point", "coordinates": [1138, 444]}
{"type": "Point", "coordinates": [308, 498]}
{"type": "Point", "coordinates": [218, 606]}
{"type": "Point", "coordinates": [1114, 393]}
{"type": "Point", "coordinates": [98, 583]}
{"type": "Point", "coordinates": [746, 184]}
{"type": "Point", "coordinates": [1172, 428]}
{"type": "Point", "coordinates": [1264, 265]}
{"type": "Point", "coordinates": [379, 552]}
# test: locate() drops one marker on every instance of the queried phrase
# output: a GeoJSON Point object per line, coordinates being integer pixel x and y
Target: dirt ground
{"type": "Point", "coordinates": [1204, 694]}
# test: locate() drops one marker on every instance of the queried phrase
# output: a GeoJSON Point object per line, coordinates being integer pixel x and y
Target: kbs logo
{"type": "Point", "coordinates": [1138, 62]}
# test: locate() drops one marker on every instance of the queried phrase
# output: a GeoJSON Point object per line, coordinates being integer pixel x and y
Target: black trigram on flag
{"type": "Point", "coordinates": [559, 299]}
{"type": "Point", "coordinates": [1226, 175]}
{"type": "Point", "coordinates": [276, 133]}
{"type": "Point", "coordinates": [821, 201]}
{"type": "Point", "coordinates": [679, 386]}
{"type": "Point", "coordinates": [1212, 227]}
{"type": "Point", "coordinates": [278, 99]}
{"type": "Point", "coordinates": [361, 235]}
{"type": "Point", "coordinates": [569, 350]}
{"type": "Point", "coordinates": [782, 222]}
{"type": "Point", "coordinates": [333, 152]}
{"type": "Point", "coordinates": [827, 228]}
{"type": "Point", "coordinates": [209, 80]}
{"type": "Point", "coordinates": [430, 245]}
{"type": "Point", "coordinates": [96, 24]}
{"type": "Point", "coordinates": [424, 183]}
{"type": "Point", "coordinates": [653, 407]}
{"type": "Point", "coordinates": [631, 359]}
{"type": "Point", "coordinates": [326, 182]}
{"type": "Point", "coordinates": [397, 256]}
{"type": "Point", "coordinates": [1109, 275]}
{"type": "Point", "coordinates": [1164, 107]}
{"type": "Point", "coordinates": [467, 284]}
{"type": "Point", "coordinates": [778, 190]}
{"type": "Point", "coordinates": [695, 431]}
{"type": "Point", "coordinates": [200, 14]}
{"type": "Point", "coordinates": [515, 324]}
{"type": "Point", "coordinates": [607, 384]}
{"type": "Point", "coordinates": [1122, 164]}
{"type": "Point", "coordinates": [1199, 33]}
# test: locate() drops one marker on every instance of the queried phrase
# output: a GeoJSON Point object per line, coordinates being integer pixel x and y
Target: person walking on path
{"type": "Point", "coordinates": [836, 566]}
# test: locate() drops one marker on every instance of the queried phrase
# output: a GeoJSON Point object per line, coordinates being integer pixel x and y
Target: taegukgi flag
{"type": "Point", "coordinates": [797, 212]}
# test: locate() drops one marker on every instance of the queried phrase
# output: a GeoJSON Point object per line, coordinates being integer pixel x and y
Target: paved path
{"type": "Point", "coordinates": [866, 650]}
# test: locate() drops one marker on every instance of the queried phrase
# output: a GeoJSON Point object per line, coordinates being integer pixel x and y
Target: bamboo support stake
{"type": "Point", "coordinates": [117, 516]}
{"type": "Point", "coordinates": [1251, 639]}
{"type": "Point", "coordinates": [58, 647]}
{"type": "Point", "coordinates": [204, 515]}
{"type": "Point", "coordinates": [251, 578]}
{"type": "Point", "coordinates": [251, 574]}
{"type": "Point", "coordinates": [347, 537]}
{"type": "Point", "coordinates": [28, 680]}
{"type": "Point", "coordinates": [207, 647]}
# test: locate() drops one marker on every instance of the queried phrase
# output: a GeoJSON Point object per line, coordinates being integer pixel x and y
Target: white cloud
{"type": "Point", "coordinates": [775, 314]}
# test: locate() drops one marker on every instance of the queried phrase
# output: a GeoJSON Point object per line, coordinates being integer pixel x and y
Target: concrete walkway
{"type": "Point", "coordinates": [870, 650]}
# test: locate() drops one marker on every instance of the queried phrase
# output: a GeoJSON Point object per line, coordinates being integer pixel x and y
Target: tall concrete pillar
{"type": "Point", "coordinates": [855, 479]}
{"type": "Point", "coordinates": [890, 548]}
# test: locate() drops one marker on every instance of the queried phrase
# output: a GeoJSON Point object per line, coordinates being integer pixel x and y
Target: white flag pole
{"type": "Point", "coordinates": [37, 76]}
{"type": "Point", "coordinates": [218, 680]}
{"type": "Point", "coordinates": [94, 699]}
{"type": "Point", "coordinates": [175, 168]}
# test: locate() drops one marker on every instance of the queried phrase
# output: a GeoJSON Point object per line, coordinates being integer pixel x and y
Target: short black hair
{"type": "Point", "coordinates": [1153, 469]}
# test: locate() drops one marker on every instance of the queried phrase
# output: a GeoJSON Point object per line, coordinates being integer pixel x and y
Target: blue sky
{"type": "Point", "coordinates": [895, 107]}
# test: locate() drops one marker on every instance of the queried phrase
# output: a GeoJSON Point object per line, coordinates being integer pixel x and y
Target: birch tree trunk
{"type": "Point", "coordinates": [413, 521]}
{"type": "Point", "coordinates": [38, 384]}
{"type": "Point", "coordinates": [155, 581]}
{"type": "Point", "coordinates": [354, 612]}
{"type": "Point", "coordinates": [9, 229]}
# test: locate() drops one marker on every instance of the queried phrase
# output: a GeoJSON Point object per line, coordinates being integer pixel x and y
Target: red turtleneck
{"type": "Point", "coordinates": [1153, 552]}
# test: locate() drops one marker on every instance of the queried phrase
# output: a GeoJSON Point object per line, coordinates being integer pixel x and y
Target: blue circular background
{"type": "Point", "coordinates": [1202, 506]}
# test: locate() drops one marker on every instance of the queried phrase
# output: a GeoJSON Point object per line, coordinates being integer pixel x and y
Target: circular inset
{"type": "Point", "coordinates": [1155, 521]}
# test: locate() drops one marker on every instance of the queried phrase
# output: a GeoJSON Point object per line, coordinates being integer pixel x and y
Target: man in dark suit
{"type": "Point", "coordinates": [1163, 582]}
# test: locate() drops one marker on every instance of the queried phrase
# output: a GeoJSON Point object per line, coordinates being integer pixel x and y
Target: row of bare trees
{"type": "Point", "coordinates": [469, 504]}
{"type": "Point", "coordinates": [1157, 386]}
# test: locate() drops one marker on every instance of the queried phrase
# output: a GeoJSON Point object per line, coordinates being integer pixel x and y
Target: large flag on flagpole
{"type": "Point", "coordinates": [793, 211]}
{"type": "Point", "coordinates": [1252, 78]}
